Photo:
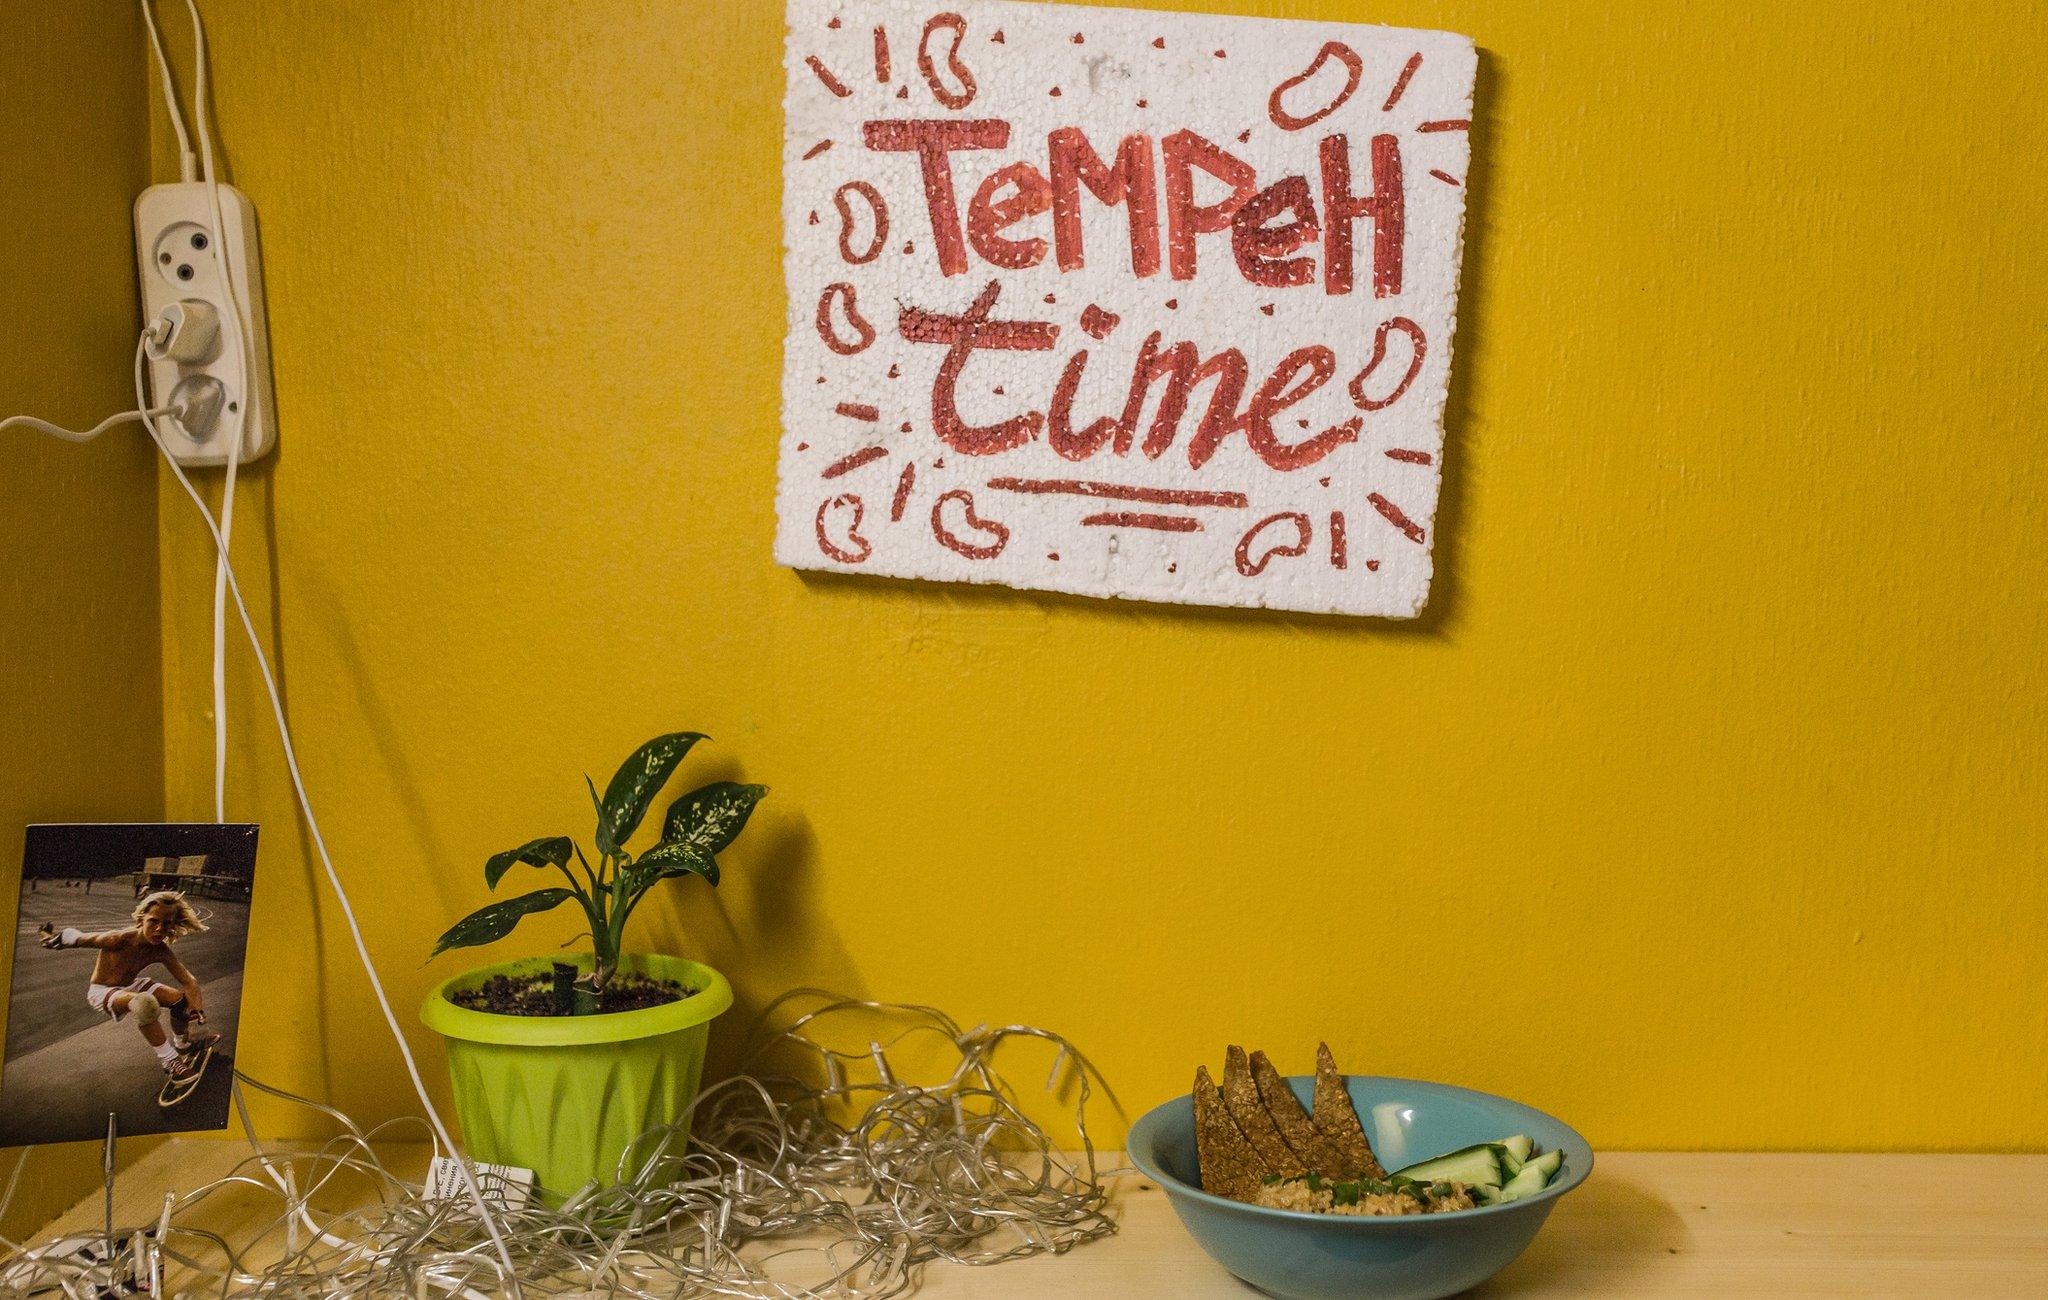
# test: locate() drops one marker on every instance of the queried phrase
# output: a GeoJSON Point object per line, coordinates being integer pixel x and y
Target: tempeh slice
{"type": "Point", "coordinates": [1241, 1095]}
{"type": "Point", "coordinates": [1229, 1165]}
{"type": "Point", "coordinates": [1315, 1151]}
{"type": "Point", "coordinates": [1338, 1120]}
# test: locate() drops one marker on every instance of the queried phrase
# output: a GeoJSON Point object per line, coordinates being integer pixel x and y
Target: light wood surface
{"type": "Point", "coordinates": [1644, 1225]}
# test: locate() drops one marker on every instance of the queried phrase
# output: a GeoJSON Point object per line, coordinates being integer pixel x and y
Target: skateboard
{"type": "Point", "coordinates": [177, 1090]}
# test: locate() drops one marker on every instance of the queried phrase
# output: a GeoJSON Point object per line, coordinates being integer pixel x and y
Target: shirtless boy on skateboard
{"type": "Point", "coordinates": [121, 990]}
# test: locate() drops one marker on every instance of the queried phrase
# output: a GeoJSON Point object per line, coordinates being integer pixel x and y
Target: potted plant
{"type": "Point", "coordinates": [559, 1065]}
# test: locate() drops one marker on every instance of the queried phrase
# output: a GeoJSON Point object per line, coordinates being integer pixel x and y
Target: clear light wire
{"type": "Point", "coordinates": [861, 1142]}
{"type": "Point", "coordinates": [14, 1181]}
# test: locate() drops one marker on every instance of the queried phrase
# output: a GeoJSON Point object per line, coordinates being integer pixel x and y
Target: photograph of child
{"type": "Point", "coordinates": [127, 979]}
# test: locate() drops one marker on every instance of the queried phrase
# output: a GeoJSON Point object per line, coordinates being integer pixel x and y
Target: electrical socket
{"type": "Point", "coordinates": [179, 258]}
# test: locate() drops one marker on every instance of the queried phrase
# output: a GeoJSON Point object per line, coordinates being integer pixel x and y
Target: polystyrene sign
{"type": "Point", "coordinates": [1120, 303]}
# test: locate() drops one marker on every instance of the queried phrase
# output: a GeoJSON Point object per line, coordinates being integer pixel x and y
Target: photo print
{"type": "Point", "coordinates": [126, 992]}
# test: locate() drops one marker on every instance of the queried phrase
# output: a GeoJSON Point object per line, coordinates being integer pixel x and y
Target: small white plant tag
{"type": "Point", "coordinates": [506, 1187]}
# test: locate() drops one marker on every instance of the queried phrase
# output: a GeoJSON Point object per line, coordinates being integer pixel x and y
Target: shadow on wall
{"type": "Point", "coordinates": [1445, 595]}
{"type": "Point", "coordinates": [261, 476]}
{"type": "Point", "coordinates": [257, 512]}
{"type": "Point", "coordinates": [763, 927]}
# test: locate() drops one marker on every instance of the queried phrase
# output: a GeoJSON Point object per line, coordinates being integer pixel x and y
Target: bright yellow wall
{"type": "Point", "coordinates": [81, 736]}
{"type": "Point", "coordinates": [1705, 807]}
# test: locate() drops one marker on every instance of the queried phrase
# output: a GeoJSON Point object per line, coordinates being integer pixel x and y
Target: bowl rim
{"type": "Point", "coordinates": [1359, 1222]}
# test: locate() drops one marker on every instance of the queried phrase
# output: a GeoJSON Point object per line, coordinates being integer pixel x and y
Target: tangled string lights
{"type": "Point", "coordinates": [824, 1168]}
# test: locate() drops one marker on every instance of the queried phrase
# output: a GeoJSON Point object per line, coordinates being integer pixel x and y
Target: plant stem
{"type": "Point", "coordinates": [585, 863]}
{"type": "Point", "coordinates": [608, 918]}
{"type": "Point", "coordinates": [576, 888]}
{"type": "Point", "coordinates": [625, 915]}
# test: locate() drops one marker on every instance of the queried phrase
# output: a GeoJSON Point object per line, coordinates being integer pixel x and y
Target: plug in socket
{"type": "Point", "coordinates": [200, 399]}
{"type": "Point", "coordinates": [186, 333]}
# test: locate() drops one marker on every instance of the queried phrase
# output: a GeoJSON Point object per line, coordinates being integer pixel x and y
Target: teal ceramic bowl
{"type": "Point", "coordinates": [1300, 1256]}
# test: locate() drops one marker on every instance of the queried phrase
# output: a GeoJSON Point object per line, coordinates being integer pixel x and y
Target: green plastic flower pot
{"type": "Point", "coordinates": [565, 1096]}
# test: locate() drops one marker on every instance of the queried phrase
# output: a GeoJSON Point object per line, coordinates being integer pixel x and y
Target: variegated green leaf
{"type": "Point", "coordinates": [496, 921]}
{"type": "Point", "coordinates": [671, 858]}
{"type": "Point", "coordinates": [552, 852]}
{"type": "Point", "coordinates": [635, 784]}
{"type": "Point", "coordinates": [711, 818]}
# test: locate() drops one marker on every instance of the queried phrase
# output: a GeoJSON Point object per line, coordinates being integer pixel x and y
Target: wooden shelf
{"type": "Point", "coordinates": [1645, 1225]}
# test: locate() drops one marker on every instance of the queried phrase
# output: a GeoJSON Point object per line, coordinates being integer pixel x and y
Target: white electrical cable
{"type": "Point", "coordinates": [75, 435]}
{"type": "Point", "coordinates": [185, 169]}
{"type": "Point", "coordinates": [202, 113]}
{"type": "Point", "coordinates": [224, 582]}
{"type": "Point", "coordinates": [291, 760]}
{"type": "Point", "coordinates": [202, 110]}
{"type": "Point", "coordinates": [220, 613]}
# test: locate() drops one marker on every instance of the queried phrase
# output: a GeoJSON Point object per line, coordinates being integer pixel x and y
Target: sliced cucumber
{"type": "Point", "coordinates": [1519, 1146]}
{"type": "Point", "coordinates": [1485, 1195]}
{"type": "Point", "coordinates": [1479, 1166]}
{"type": "Point", "coordinates": [1535, 1176]}
{"type": "Point", "coordinates": [1548, 1162]}
{"type": "Point", "coordinates": [1527, 1183]}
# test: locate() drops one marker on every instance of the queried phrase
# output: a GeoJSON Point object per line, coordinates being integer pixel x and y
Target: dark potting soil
{"type": "Point", "coordinates": [535, 996]}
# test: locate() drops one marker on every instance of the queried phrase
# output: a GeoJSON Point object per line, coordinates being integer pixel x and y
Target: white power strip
{"type": "Point", "coordinates": [211, 357]}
